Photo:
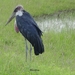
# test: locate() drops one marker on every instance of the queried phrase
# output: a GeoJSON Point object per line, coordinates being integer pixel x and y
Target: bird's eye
{"type": "Point", "coordinates": [15, 10]}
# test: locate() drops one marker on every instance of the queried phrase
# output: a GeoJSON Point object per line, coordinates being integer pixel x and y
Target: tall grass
{"type": "Point", "coordinates": [58, 58]}
{"type": "Point", "coordinates": [36, 7]}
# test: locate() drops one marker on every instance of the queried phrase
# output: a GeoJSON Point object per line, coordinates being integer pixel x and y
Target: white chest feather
{"type": "Point", "coordinates": [19, 13]}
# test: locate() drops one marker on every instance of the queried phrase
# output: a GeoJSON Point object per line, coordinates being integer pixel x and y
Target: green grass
{"type": "Point", "coordinates": [58, 58]}
{"type": "Point", "coordinates": [36, 7]}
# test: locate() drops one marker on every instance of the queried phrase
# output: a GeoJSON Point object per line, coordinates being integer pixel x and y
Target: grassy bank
{"type": "Point", "coordinates": [36, 7]}
{"type": "Point", "coordinates": [58, 58]}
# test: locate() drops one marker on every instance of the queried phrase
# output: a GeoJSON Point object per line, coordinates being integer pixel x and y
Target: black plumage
{"type": "Point", "coordinates": [29, 29]}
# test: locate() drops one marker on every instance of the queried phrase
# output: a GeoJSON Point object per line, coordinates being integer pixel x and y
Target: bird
{"type": "Point", "coordinates": [26, 25]}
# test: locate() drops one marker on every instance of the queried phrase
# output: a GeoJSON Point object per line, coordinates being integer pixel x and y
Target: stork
{"type": "Point", "coordinates": [26, 25]}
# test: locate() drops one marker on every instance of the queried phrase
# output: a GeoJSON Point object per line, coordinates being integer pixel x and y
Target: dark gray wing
{"type": "Point", "coordinates": [31, 32]}
{"type": "Point", "coordinates": [28, 17]}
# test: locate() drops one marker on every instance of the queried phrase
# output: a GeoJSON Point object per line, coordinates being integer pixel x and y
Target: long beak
{"type": "Point", "coordinates": [10, 19]}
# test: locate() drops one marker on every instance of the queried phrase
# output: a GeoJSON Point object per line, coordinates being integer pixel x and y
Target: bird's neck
{"type": "Point", "coordinates": [19, 13]}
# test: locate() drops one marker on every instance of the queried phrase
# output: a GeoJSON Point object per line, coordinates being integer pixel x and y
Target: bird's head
{"type": "Point", "coordinates": [17, 11]}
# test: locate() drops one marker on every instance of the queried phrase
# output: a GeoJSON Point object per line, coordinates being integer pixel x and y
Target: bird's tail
{"type": "Point", "coordinates": [38, 46]}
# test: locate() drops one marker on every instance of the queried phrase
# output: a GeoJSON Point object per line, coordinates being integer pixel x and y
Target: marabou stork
{"type": "Point", "coordinates": [28, 28]}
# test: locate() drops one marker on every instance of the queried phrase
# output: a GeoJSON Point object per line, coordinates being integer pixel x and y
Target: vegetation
{"type": "Point", "coordinates": [58, 58]}
{"type": "Point", "coordinates": [36, 7]}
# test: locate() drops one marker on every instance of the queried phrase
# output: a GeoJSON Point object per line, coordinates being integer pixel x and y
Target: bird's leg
{"type": "Point", "coordinates": [26, 49]}
{"type": "Point", "coordinates": [30, 51]}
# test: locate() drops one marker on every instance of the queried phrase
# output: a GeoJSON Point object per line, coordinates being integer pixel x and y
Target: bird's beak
{"type": "Point", "coordinates": [11, 17]}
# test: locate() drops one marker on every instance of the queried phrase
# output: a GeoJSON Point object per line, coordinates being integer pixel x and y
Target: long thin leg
{"type": "Point", "coordinates": [26, 49]}
{"type": "Point", "coordinates": [30, 51]}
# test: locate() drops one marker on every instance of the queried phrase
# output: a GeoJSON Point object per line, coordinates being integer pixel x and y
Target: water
{"type": "Point", "coordinates": [56, 22]}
